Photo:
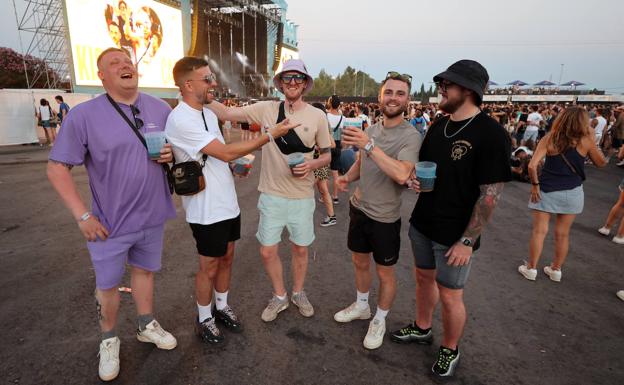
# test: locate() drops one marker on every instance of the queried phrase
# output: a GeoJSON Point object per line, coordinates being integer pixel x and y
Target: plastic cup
{"type": "Point", "coordinates": [242, 166]}
{"type": "Point", "coordinates": [426, 174]}
{"type": "Point", "coordinates": [294, 159]}
{"type": "Point", "coordinates": [155, 142]}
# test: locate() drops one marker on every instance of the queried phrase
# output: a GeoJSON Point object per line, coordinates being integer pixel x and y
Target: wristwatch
{"type": "Point", "coordinates": [466, 241]}
{"type": "Point", "coordinates": [369, 146]}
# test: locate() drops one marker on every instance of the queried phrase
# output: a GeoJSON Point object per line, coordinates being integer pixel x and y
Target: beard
{"type": "Point", "coordinates": [452, 105]}
{"type": "Point", "coordinates": [390, 115]}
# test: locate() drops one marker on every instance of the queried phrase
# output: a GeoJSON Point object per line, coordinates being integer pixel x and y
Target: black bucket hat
{"type": "Point", "coordinates": [468, 74]}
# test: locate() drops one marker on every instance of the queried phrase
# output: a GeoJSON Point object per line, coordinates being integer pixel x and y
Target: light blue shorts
{"type": "Point", "coordinates": [560, 202]}
{"type": "Point", "coordinates": [294, 214]}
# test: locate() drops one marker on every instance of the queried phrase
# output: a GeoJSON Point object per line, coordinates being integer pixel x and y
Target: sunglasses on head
{"type": "Point", "coordinates": [298, 78]}
{"type": "Point", "coordinates": [397, 76]}
{"type": "Point", "coordinates": [211, 78]}
{"type": "Point", "coordinates": [138, 122]}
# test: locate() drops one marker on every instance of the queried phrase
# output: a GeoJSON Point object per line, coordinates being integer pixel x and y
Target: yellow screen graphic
{"type": "Point", "coordinates": [151, 32]}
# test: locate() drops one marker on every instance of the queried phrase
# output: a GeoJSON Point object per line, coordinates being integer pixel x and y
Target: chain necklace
{"type": "Point", "coordinates": [462, 127]}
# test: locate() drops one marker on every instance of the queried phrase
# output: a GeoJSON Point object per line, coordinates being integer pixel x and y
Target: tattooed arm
{"type": "Point", "coordinates": [60, 177]}
{"type": "Point", "coordinates": [459, 254]}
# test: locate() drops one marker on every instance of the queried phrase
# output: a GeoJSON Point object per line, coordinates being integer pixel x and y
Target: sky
{"type": "Point", "coordinates": [527, 40]}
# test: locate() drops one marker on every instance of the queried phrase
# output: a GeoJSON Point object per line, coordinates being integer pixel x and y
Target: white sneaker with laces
{"type": "Point", "coordinates": [620, 294]}
{"type": "Point", "coordinates": [155, 334]}
{"type": "Point", "coordinates": [619, 240]}
{"type": "Point", "coordinates": [353, 312]}
{"type": "Point", "coordinates": [604, 230]}
{"type": "Point", "coordinates": [554, 275]}
{"type": "Point", "coordinates": [529, 274]}
{"type": "Point", "coordinates": [375, 335]}
{"type": "Point", "coordinates": [109, 359]}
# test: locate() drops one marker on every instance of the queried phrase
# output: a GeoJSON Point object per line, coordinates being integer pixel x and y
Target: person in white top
{"type": "Point", "coordinates": [213, 214]}
{"type": "Point", "coordinates": [336, 124]}
{"type": "Point", "coordinates": [599, 123]}
{"type": "Point", "coordinates": [533, 124]}
{"type": "Point", "coordinates": [44, 114]}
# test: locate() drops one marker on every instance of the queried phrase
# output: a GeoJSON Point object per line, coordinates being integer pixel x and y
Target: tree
{"type": "Point", "coordinates": [12, 70]}
{"type": "Point", "coordinates": [351, 82]}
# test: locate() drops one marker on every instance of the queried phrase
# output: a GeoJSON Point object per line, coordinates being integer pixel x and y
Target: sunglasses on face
{"type": "Point", "coordinates": [138, 122]}
{"type": "Point", "coordinates": [298, 78]}
{"type": "Point", "coordinates": [397, 76]}
{"type": "Point", "coordinates": [209, 79]}
{"type": "Point", "coordinates": [444, 85]}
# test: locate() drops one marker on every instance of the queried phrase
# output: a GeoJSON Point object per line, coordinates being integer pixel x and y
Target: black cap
{"type": "Point", "coordinates": [468, 74]}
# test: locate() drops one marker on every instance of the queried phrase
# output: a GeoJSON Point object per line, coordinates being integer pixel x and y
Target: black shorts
{"type": "Point", "coordinates": [616, 143]}
{"type": "Point", "coordinates": [334, 165]}
{"type": "Point", "coordinates": [212, 240]}
{"type": "Point", "coordinates": [367, 235]}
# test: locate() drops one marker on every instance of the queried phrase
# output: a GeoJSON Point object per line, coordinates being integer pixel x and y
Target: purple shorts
{"type": "Point", "coordinates": [142, 249]}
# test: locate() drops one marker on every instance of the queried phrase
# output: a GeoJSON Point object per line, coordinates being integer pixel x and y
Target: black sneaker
{"type": "Point", "coordinates": [446, 363]}
{"type": "Point", "coordinates": [412, 333]}
{"type": "Point", "coordinates": [336, 201]}
{"type": "Point", "coordinates": [329, 221]}
{"type": "Point", "coordinates": [209, 332]}
{"type": "Point", "coordinates": [228, 319]}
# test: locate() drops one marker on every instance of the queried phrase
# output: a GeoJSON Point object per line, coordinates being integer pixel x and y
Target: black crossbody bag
{"type": "Point", "coordinates": [135, 129]}
{"type": "Point", "coordinates": [188, 178]}
{"type": "Point", "coordinates": [291, 142]}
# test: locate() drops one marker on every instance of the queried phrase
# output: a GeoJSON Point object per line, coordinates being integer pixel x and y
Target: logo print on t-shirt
{"type": "Point", "coordinates": [459, 149]}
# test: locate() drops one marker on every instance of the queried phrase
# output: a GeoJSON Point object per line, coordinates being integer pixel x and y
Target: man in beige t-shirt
{"type": "Point", "coordinates": [287, 194]}
{"type": "Point", "coordinates": [389, 152]}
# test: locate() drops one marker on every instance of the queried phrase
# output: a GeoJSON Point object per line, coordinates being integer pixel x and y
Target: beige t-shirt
{"type": "Point", "coordinates": [378, 196]}
{"type": "Point", "coordinates": [275, 175]}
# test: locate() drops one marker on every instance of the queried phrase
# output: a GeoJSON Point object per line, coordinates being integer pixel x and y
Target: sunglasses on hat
{"type": "Point", "coordinates": [397, 76]}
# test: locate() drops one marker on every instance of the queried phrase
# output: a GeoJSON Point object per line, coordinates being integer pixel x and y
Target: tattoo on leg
{"type": "Point", "coordinates": [98, 307]}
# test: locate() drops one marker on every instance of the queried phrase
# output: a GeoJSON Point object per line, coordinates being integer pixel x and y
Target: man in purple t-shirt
{"type": "Point", "coordinates": [131, 199]}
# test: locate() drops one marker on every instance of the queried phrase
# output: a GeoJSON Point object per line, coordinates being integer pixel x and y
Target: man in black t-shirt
{"type": "Point", "coordinates": [472, 152]}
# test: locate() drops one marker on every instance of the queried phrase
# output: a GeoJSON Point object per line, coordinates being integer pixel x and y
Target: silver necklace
{"type": "Point", "coordinates": [462, 127]}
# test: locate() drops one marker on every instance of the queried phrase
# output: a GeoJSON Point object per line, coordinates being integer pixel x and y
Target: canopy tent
{"type": "Point", "coordinates": [519, 83]}
{"type": "Point", "coordinates": [492, 83]}
{"type": "Point", "coordinates": [573, 83]}
{"type": "Point", "coordinates": [545, 83]}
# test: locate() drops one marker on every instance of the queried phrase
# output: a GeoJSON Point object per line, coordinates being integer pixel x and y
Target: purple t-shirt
{"type": "Point", "coordinates": [130, 191]}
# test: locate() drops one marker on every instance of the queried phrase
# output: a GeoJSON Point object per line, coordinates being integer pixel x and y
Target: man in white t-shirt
{"type": "Point", "coordinates": [599, 123]}
{"type": "Point", "coordinates": [533, 124]}
{"type": "Point", "coordinates": [213, 214]}
{"type": "Point", "coordinates": [336, 124]}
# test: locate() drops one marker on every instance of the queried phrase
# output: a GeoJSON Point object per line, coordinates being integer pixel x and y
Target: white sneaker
{"type": "Point", "coordinates": [155, 334]}
{"type": "Point", "coordinates": [353, 312]}
{"type": "Point", "coordinates": [620, 294]}
{"type": "Point", "coordinates": [375, 335]}
{"type": "Point", "coordinates": [620, 163]}
{"type": "Point", "coordinates": [529, 274]}
{"type": "Point", "coordinates": [618, 240]}
{"type": "Point", "coordinates": [604, 230]}
{"type": "Point", "coordinates": [554, 275]}
{"type": "Point", "coordinates": [109, 359]}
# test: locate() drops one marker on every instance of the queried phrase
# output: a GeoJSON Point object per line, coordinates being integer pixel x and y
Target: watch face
{"type": "Point", "coordinates": [467, 242]}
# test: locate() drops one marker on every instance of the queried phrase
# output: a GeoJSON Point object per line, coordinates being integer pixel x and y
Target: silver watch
{"type": "Point", "coordinates": [466, 241]}
{"type": "Point", "coordinates": [369, 147]}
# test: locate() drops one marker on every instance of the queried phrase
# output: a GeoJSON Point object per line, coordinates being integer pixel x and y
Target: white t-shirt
{"type": "Point", "coordinates": [333, 122]}
{"type": "Point", "coordinates": [186, 133]}
{"type": "Point", "coordinates": [602, 123]}
{"type": "Point", "coordinates": [44, 111]}
{"type": "Point", "coordinates": [364, 119]}
{"type": "Point", "coordinates": [533, 121]}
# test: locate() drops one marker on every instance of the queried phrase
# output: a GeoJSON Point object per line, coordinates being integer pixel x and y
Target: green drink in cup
{"type": "Point", "coordinates": [155, 142]}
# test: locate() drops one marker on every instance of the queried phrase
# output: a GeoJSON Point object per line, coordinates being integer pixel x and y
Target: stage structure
{"type": "Point", "coordinates": [43, 20]}
{"type": "Point", "coordinates": [244, 41]}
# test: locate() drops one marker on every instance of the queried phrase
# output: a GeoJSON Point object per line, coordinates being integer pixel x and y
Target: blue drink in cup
{"type": "Point", "coordinates": [426, 174]}
{"type": "Point", "coordinates": [155, 142]}
{"type": "Point", "coordinates": [294, 159]}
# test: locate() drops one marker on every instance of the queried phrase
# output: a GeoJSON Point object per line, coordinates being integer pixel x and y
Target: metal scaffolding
{"type": "Point", "coordinates": [43, 21]}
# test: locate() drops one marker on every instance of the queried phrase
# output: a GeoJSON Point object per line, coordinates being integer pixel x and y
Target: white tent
{"type": "Point", "coordinates": [18, 123]}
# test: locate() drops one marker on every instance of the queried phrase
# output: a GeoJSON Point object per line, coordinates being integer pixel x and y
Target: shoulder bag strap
{"type": "Point", "coordinates": [338, 125]}
{"type": "Point", "coordinates": [281, 115]}
{"type": "Point", "coordinates": [569, 164]}
{"type": "Point", "coordinates": [204, 156]}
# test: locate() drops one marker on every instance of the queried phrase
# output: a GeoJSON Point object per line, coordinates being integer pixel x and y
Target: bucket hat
{"type": "Point", "coordinates": [468, 74]}
{"type": "Point", "coordinates": [294, 65]}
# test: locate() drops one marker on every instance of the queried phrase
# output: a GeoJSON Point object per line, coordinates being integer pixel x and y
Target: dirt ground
{"type": "Point", "coordinates": [518, 332]}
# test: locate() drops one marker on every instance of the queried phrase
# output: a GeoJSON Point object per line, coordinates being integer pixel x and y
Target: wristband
{"type": "Point", "coordinates": [271, 139]}
{"type": "Point", "coordinates": [85, 217]}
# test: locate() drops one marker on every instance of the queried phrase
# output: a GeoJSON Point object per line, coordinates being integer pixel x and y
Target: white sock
{"type": "Point", "coordinates": [205, 312]}
{"type": "Point", "coordinates": [221, 300]}
{"type": "Point", "coordinates": [381, 314]}
{"type": "Point", "coordinates": [281, 297]}
{"type": "Point", "coordinates": [362, 300]}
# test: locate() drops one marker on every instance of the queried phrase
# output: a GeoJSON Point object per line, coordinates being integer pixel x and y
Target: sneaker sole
{"type": "Point", "coordinates": [281, 309]}
{"type": "Point", "coordinates": [417, 341]}
{"type": "Point", "coordinates": [374, 346]}
{"type": "Point", "coordinates": [159, 346]}
{"type": "Point", "coordinates": [110, 377]}
{"type": "Point", "coordinates": [327, 224]}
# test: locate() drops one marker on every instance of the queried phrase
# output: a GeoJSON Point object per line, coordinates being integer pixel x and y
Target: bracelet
{"type": "Point", "coordinates": [85, 216]}
{"type": "Point", "coordinates": [271, 139]}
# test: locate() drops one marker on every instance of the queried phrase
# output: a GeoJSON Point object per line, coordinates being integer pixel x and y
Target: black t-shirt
{"type": "Point", "coordinates": [478, 154]}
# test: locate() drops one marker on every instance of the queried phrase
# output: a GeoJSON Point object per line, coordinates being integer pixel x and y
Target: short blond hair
{"type": "Point", "coordinates": [109, 50]}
